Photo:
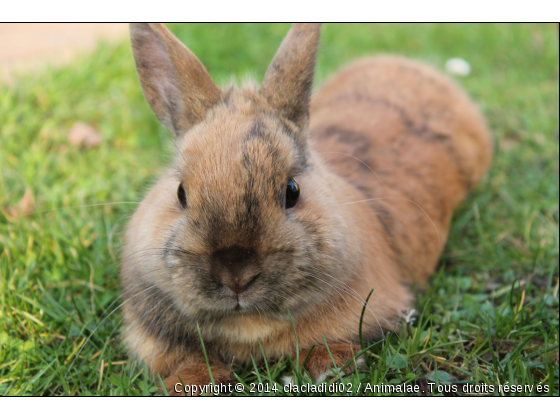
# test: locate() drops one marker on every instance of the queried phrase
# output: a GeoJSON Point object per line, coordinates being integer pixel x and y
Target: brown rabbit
{"type": "Point", "coordinates": [276, 205]}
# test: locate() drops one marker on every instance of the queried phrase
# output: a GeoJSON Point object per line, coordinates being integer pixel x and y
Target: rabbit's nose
{"type": "Point", "coordinates": [236, 267]}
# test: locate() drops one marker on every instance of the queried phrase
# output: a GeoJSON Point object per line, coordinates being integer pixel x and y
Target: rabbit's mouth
{"type": "Point", "coordinates": [243, 303]}
{"type": "Point", "coordinates": [236, 302]}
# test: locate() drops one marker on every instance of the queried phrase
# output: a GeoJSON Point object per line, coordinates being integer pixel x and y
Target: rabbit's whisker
{"type": "Point", "coordinates": [399, 198]}
{"type": "Point", "coordinates": [82, 206]}
{"type": "Point", "coordinates": [101, 323]}
{"type": "Point", "coordinates": [359, 299]}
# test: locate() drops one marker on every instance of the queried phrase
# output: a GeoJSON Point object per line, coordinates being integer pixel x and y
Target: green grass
{"type": "Point", "coordinates": [489, 315]}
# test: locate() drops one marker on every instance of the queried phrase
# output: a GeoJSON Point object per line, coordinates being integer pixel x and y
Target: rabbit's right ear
{"type": "Point", "coordinates": [174, 81]}
{"type": "Point", "coordinates": [287, 82]}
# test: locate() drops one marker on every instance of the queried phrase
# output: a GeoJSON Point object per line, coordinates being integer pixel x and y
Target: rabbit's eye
{"type": "Point", "coordinates": [292, 193]}
{"type": "Point", "coordinates": [182, 196]}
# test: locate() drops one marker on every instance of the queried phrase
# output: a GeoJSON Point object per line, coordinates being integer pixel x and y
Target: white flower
{"type": "Point", "coordinates": [407, 315]}
{"type": "Point", "coordinates": [458, 67]}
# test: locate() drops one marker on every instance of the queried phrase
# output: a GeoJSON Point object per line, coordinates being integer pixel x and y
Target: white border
{"type": "Point", "coordinates": [203, 408]}
{"type": "Point", "coordinates": [286, 10]}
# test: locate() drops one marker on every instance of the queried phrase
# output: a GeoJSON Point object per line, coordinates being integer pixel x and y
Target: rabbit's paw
{"type": "Point", "coordinates": [319, 363]}
{"type": "Point", "coordinates": [193, 379]}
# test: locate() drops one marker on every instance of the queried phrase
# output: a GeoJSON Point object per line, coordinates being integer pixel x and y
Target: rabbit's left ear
{"type": "Point", "coordinates": [289, 78]}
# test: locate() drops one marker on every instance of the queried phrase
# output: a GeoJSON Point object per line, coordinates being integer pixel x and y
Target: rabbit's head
{"type": "Point", "coordinates": [248, 221]}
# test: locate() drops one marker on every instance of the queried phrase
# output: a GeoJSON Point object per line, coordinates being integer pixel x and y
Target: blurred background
{"type": "Point", "coordinates": [79, 146]}
{"type": "Point", "coordinates": [28, 46]}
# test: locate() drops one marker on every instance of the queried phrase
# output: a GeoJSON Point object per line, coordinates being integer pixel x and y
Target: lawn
{"type": "Point", "coordinates": [488, 316]}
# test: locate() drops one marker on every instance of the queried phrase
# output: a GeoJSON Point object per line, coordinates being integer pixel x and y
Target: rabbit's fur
{"type": "Point", "coordinates": [383, 154]}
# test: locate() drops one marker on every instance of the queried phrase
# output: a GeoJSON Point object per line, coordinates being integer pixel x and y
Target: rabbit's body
{"type": "Point", "coordinates": [421, 143]}
{"type": "Point", "coordinates": [388, 151]}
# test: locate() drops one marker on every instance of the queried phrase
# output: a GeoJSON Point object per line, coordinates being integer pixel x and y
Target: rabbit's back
{"type": "Point", "coordinates": [411, 141]}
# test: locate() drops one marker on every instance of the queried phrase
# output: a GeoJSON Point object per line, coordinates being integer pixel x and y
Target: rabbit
{"type": "Point", "coordinates": [282, 211]}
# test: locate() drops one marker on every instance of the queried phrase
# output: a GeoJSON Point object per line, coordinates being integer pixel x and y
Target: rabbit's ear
{"type": "Point", "coordinates": [288, 80]}
{"type": "Point", "coordinates": [174, 81]}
